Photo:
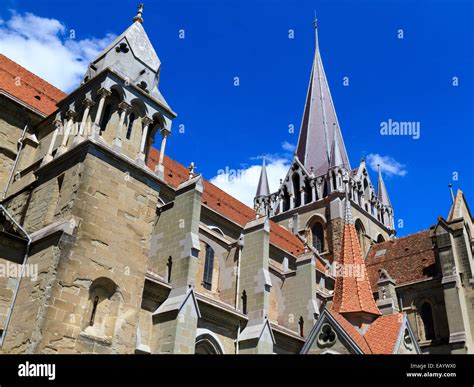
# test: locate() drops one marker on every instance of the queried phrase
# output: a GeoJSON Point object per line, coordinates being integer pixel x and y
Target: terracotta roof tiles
{"type": "Point", "coordinates": [18, 82]}
{"type": "Point", "coordinates": [227, 205]}
{"type": "Point", "coordinates": [406, 259]}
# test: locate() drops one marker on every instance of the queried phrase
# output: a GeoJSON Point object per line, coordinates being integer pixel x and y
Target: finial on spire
{"type": "Point", "coordinates": [451, 190]}
{"type": "Point", "coordinates": [139, 16]}
{"type": "Point", "coordinates": [191, 168]}
{"type": "Point", "coordinates": [315, 21]}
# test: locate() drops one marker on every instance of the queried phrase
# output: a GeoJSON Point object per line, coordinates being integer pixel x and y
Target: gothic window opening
{"type": "Point", "coordinates": [104, 304]}
{"type": "Point", "coordinates": [428, 323]}
{"type": "Point", "coordinates": [380, 239]}
{"type": "Point", "coordinates": [361, 235]}
{"type": "Point", "coordinates": [318, 236]}
{"type": "Point", "coordinates": [327, 336]}
{"type": "Point", "coordinates": [244, 302]}
{"type": "Point", "coordinates": [208, 268]}
{"type": "Point", "coordinates": [105, 118]}
{"type": "Point", "coordinates": [296, 189]}
{"type": "Point", "coordinates": [286, 200]}
{"type": "Point", "coordinates": [131, 120]}
{"type": "Point", "coordinates": [308, 197]}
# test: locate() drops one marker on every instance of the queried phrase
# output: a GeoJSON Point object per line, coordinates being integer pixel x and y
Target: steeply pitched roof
{"type": "Point", "coordinates": [27, 87]}
{"type": "Point", "coordinates": [407, 259]}
{"type": "Point", "coordinates": [381, 336]}
{"type": "Point", "coordinates": [352, 293]}
{"type": "Point", "coordinates": [382, 193]}
{"type": "Point", "coordinates": [226, 205]}
{"type": "Point", "coordinates": [140, 45]}
{"type": "Point", "coordinates": [319, 125]}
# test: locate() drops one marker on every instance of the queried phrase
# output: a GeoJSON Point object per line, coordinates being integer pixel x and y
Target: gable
{"type": "Point", "coordinates": [328, 336]}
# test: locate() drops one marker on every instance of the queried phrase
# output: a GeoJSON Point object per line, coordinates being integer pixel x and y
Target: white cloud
{"type": "Point", "coordinates": [388, 165]}
{"type": "Point", "coordinates": [242, 183]}
{"type": "Point", "coordinates": [288, 147]}
{"type": "Point", "coordinates": [45, 47]}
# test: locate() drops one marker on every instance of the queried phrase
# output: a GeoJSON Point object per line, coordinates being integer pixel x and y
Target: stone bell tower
{"type": "Point", "coordinates": [309, 199]}
{"type": "Point", "coordinates": [86, 201]}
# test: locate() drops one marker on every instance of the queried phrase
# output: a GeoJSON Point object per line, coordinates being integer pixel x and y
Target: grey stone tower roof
{"type": "Point", "coordinates": [263, 188]}
{"type": "Point", "coordinates": [382, 193]}
{"type": "Point", "coordinates": [319, 127]}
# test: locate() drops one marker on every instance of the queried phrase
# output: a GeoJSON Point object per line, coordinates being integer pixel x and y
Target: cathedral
{"type": "Point", "coordinates": [107, 245]}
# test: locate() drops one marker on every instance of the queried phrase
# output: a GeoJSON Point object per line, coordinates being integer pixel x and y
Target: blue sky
{"type": "Point", "coordinates": [230, 127]}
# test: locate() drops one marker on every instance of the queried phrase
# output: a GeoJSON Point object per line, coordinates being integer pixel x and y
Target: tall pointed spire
{"type": "Point", "coordinates": [263, 188]}
{"type": "Point", "coordinates": [382, 193]}
{"type": "Point", "coordinates": [352, 294]}
{"type": "Point", "coordinates": [319, 125]}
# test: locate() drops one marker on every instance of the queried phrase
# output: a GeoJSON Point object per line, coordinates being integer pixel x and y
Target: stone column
{"type": "Point", "coordinates": [146, 121]}
{"type": "Point", "coordinates": [302, 197]}
{"type": "Point", "coordinates": [313, 190]}
{"type": "Point", "coordinates": [103, 93]}
{"type": "Point", "coordinates": [124, 109]}
{"type": "Point", "coordinates": [70, 115]}
{"type": "Point", "coordinates": [49, 155]}
{"type": "Point", "coordinates": [160, 169]}
{"type": "Point", "coordinates": [88, 103]}
{"type": "Point", "coordinates": [292, 201]}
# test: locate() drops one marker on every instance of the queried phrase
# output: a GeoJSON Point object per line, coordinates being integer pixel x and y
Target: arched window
{"type": "Point", "coordinates": [131, 120]}
{"type": "Point", "coordinates": [207, 345]}
{"type": "Point", "coordinates": [286, 199]}
{"type": "Point", "coordinates": [208, 268]}
{"type": "Point", "coordinates": [104, 300]}
{"type": "Point", "coordinates": [105, 118]}
{"type": "Point", "coordinates": [318, 236]}
{"type": "Point", "coordinates": [296, 189]}
{"type": "Point", "coordinates": [380, 239]}
{"type": "Point", "coordinates": [428, 323]}
{"type": "Point", "coordinates": [308, 192]}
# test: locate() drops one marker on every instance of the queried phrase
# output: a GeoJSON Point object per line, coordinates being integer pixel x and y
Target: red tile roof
{"type": "Point", "coordinates": [408, 259]}
{"type": "Point", "coordinates": [383, 333]}
{"type": "Point", "coordinates": [352, 293]}
{"type": "Point", "coordinates": [381, 336]}
{"type": "Point", "coordinates": [227, 205]}
{"type": "Point", "coordinates": [351, 331]}
{"type": "Point", "coordinates": [28, 87]}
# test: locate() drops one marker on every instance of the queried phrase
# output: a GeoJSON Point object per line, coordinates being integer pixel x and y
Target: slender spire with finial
{"type": "Point", "coordinates": [139, 16]}
{"type": "Point", "coordinates": [319, 116]}
{"type": "Point", "coordinates": [263, 187]}
{"type": "Point", "coordinates": [353, 295]}
{"type": "Point", "coordinates": [451, 190]}
{"type": "Point", "coordinates": [315, 25]}
{"type": "Point", "coordinates": [382, 193]}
